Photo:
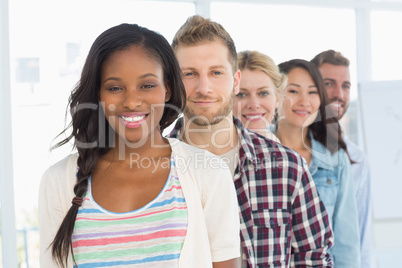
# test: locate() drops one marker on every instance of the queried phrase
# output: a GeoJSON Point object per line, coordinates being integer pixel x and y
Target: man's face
{"type": "Point", "coordinates": [337, 83]}
{"type": "Point", "coordinates": [210, 82]}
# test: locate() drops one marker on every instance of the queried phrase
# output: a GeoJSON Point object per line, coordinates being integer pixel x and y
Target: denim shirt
{"type": "Point", "coordinates": [333, 178]}
{"type": "Point", "coordinates": [362, 179]}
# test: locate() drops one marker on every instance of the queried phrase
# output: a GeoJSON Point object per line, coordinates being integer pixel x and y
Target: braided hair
{"type": "Point", "coordinates": [92, 134]}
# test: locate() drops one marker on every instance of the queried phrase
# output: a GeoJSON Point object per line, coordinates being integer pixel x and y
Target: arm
{"type": "Point", "coordinates": [54, 189]}
{"type": "Point", "coordinates": [233, 263]}
{"type": "Point", "coordinates": [50, 217]}
{"type": "Point", "coordinates": [346, 251]}
{"type": "Point", "coordinates": [311, 232]}
{"type": "Point", "coordinates": [361, 172]}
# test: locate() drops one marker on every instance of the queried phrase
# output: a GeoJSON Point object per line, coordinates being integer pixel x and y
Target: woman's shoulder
{"type": "Point", "coordinates": [67, 162]}
{"type": "Point", "coordinates": [324, 158]}
{"type": "Point", "coordinates": [62, 170]}
{"type": "Point", "coordinates": [343, 157]}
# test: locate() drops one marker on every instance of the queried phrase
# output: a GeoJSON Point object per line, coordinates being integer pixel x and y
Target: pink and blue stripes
{"type": "Point", "coordinates": [152, 235]}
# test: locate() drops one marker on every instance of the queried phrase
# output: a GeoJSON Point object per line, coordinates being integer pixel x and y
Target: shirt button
{"type": "Point", "coordinates": [329, 181]}
{"type": "Point", "coordinates": [271, 222]}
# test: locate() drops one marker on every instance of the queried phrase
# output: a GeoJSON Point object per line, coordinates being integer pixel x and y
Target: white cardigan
{"type": "Point", "coordinates": [213, 217]}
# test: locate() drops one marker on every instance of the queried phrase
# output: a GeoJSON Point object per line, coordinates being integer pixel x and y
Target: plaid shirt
{"type": "Point", "coordinates": [283, 221]}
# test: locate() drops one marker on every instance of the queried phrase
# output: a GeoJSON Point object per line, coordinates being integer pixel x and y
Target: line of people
{"type": "Point", "coordinates": [255, 173]}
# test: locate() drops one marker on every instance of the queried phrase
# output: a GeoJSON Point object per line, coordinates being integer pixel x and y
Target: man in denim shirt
{"type": "Point", "coordinates": [334, 68]}
{"type": "Point", "coordinates": [283, 221]}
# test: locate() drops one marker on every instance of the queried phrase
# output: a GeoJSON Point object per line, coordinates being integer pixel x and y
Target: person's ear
{"type": "Point", "coordinates": [237, 77]}
{"type": "Point", "coordinates": [168, 94]}
{"type": "Point", "coordinates": [277, 102]}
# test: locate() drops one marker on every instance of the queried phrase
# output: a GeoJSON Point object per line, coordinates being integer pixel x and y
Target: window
{"type": "Point", "coordinates": [288, 32]}
{"type": "Point", "coordinates": [386, 45]}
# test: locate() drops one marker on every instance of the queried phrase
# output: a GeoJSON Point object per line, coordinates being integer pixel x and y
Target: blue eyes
{"type": "Point", "coordinates": [193, 73]}
{"type": "Point", "coordinates": [262, 94]}
{"type": "Point", "coordinates": [332, 84]}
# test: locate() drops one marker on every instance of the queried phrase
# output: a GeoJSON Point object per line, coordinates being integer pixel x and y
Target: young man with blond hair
{"type": "Point", "coordinates": [283, 221]}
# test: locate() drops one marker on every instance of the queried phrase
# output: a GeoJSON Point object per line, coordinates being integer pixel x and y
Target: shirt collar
{"type": "Point", "coordinates": [322, 157]}
{"type": "Point", "coordinates": [247, 152]}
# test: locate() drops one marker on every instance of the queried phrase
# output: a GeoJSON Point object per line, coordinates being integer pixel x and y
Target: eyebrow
{"type": "Point", "coordinates": [187, 69]}
{"type": "Point", "coordinates": [211, 67]}
{"type": "Point", "coordinates": [217, 66]}
{"type": "Point", "coordinates": [258, 89]}
{"type": "Point", "coordinates": [333, 80]}
{"type": "Point", "coordinates": [112, 78]}
{"type": "Point", "coordinates": [297, 85]}
{"type": "Point", "coordinates": [147, 75]}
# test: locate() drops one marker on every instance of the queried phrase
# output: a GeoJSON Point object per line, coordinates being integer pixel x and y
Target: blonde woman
{"type": "Point", "coordinates": [257, 101]}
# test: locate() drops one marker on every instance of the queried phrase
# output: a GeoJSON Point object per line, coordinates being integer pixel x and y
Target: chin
{"type": "Point", "coordinates": [255, 126]}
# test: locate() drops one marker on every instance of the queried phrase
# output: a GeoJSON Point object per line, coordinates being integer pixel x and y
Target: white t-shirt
{"type": "Point", "coordinates": [213, 213]}
{"type": "Point", "coordinates": [231, 158]}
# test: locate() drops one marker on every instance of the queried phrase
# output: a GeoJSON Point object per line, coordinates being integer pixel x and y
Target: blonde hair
{"type": "Point", "coordinates": [257, 61]}
{"type": "Point", "coordinates": [197, 30]}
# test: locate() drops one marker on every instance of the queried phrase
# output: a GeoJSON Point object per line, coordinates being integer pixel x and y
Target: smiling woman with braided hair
{"type": "Point", "coordinates": [130, 197]}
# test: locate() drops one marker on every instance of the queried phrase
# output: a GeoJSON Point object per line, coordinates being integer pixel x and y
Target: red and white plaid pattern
{"type": "Point", "coordinates": [283, 221]}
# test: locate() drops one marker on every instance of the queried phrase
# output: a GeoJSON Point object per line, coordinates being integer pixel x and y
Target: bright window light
{"type": "Point", "coordinates": [287, 32]}
{"type": "Point", "coordinates": [386, 45]}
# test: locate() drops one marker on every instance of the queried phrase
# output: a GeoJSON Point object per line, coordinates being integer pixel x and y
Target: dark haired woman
{"type": "Point", "coordinates": [130, 197]}
{"type": "Point", "coordinates": [306, 125]}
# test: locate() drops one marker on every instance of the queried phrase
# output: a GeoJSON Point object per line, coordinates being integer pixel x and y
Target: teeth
{"type": "Point", "coordinates": [133, 118]}
{"type": "Point", "coordinates": [336, 105]}
{"type": "Point", "coordinates": [301, 112]}
{"type": "Point", "coordinates": [253, 116]}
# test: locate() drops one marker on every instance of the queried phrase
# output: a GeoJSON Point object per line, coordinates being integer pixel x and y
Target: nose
{"type": "Point", "coordinates": [132, 99]}
{"type": "Point", "coordinates": [253, 103]}
{"type": "Point", "coordinates": [337, 92]}
{"type": "Point", "coordinates": [304, 100]}
{"type": "Point", "coordinates": [203, 87]}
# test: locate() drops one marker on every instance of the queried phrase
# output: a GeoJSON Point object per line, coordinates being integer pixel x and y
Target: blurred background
{"type": "Point", "coordinates": [44, 44]}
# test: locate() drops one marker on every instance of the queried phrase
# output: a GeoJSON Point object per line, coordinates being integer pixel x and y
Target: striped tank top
{"type": "Point", "coordinates": [150, 236]}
